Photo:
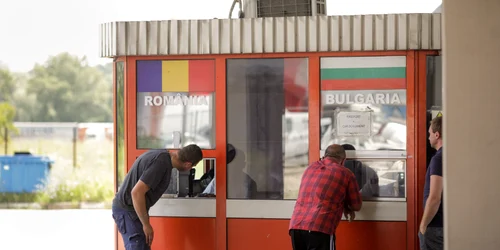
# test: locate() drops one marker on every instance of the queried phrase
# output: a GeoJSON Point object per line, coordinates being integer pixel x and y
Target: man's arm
{"type": "Point", "coordinates": [434, 200]}
{"type": "Point", "coordinates": [139, 201]}
{"type": "Point", "coordinates": [353, 195]}
{"type": "Point", "coordinates": [148, 180]}
{"type": "Point", "coordinates": [210, 189]}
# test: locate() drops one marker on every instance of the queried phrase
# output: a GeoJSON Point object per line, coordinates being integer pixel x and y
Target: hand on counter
{"type": "Point", "coordinates": [349, 214]}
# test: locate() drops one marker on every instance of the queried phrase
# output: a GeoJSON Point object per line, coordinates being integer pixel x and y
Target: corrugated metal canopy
{"type": "Point", "coordinates": [272, 35]}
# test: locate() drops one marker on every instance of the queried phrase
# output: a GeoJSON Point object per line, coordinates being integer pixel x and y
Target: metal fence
{"type": "Point", "coordinates": [61, 141]}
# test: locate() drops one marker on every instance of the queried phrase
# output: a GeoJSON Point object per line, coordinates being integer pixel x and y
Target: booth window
{"type": "Point", "coordinates": [366, 119]}
{"type": "Point", "coordinates": [119, 123]}
{"type": "Point", "coordinates": [267, 123]}
{"type": "Point", "coordinates": [175, 103]}
{"type": "Point", "coordinates": [195, 183]}
{"type": "Point", "coordinates": [379, 178]}
{"type": "Point", "coordinates": [363, 108]}
{"type": "Point", "coordinates": [434, 97]}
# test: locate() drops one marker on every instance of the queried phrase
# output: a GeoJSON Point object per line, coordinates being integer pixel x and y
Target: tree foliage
{"type": "Point", "coordinates": [7, 85]}
{"type": "Point", "coordinates": [63, 89]}
{"type": "Point", "coordinates": [7, 114]}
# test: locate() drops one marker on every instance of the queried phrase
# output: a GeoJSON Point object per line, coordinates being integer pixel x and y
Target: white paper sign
{"type": "Point", "coordinates": [354, 124]}
{"type": "Point", "coordinates": [436, 113]}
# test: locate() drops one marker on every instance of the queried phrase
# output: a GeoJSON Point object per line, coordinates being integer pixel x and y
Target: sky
{"type": "Point", "coordinates": [33, 30]}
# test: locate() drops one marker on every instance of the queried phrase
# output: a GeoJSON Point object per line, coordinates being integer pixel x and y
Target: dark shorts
{"type": "Point", "coordinates": [130, 227]}
{"type": "Point", "coordinates": [308, 240]}
{"type": "Point", "coordinates": [421, 241]}
{"type": "Point", "coordinates": [434, 238]}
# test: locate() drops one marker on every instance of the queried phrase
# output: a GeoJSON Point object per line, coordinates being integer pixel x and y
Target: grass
{"type": "Point", "coordinates": [91, 180]}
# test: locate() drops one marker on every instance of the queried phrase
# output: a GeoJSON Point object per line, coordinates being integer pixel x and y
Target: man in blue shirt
{"type": "Point", "coordinates": [142, 187]}
{"type": "Point", "coordinates": [431, 226]}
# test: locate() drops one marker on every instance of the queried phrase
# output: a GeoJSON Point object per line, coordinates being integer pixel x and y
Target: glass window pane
{"type": "Point", "coordinates": [434, 82]}
{"type": "Point", "coordinates": [267, 123]}
{"type": "Point", "coordinates": [119, 123]}
{"type": "Point", "coordinates": [175, 104]}
{"type": "Point", "coordinates": [434, 96]}
{"type": "Point", "coordinates": [193, 183]}
{"type": "Point", "coordinates": [366, 119]}
{"type": "Point", "coordinates": [379, 178]}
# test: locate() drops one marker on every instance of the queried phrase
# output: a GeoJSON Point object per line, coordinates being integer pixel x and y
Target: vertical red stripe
{"type": "Point", "coordinates": [314, 103]}
{"type": "Point", "coordinates": [220, 145]}
{"type": "Point", "coordinates": [411, 222]}
{"type": "Point", "coordinates": [201, 76]}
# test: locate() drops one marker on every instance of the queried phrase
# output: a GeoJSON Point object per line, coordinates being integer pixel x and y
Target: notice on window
{"type": "Point", "coordinates": [436, 113]}
{"type": "Point", "coordinates": [354, 123]}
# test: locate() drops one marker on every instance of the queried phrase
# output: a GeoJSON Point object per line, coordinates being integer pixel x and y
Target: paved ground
{"type": "Point", "coordinates": [56, 229]}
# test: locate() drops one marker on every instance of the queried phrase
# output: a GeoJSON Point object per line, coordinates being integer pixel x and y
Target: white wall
{"type": "Point", "coordinates": [471, 95]}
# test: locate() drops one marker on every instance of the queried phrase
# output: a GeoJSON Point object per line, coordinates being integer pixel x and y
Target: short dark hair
{"type": "Point", "coordinates": [231, 153]}
{"type": "Point", "coordinates": [437, 125]}
{"type": "Point", "coordinates": [190, 153]}
{"type": "Point", "coordinates": [335, 151]}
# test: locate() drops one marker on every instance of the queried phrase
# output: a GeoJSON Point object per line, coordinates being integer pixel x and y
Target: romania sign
{"type": "Point", "coordinates": [175, 82]}
{"type": "Point", "coordinates": [175, 100]}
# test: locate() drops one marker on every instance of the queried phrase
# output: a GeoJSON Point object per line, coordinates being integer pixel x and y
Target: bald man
{"type": "Point", "coordinates": [327, 191]}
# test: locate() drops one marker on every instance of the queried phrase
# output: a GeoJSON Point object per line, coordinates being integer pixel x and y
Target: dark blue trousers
{"type": "Point", "coordinates": [130, 227]}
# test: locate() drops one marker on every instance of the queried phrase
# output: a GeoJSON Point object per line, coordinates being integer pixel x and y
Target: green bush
{"type": "Point", "coordinates": [18, 197]}
{"type": "Point", "coordinates": [75, 191]}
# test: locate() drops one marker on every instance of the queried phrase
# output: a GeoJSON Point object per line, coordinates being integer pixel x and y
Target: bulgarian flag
{"type": "Point", "coordinates": [380, 72]}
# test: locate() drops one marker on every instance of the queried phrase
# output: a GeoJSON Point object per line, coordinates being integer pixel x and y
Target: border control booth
{"type": "Point", "coordinates": [279, 90]}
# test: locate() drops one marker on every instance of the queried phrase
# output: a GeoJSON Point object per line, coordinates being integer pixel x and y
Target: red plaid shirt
{"type": "Point", "coordinates": [324, 190]}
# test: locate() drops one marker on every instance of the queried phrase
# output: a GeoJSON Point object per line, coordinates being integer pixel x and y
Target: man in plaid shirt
{"type": "Point", "coordinates": [327, 191]}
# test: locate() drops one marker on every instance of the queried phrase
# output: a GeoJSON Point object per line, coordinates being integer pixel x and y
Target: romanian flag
{"type": "Point", "coordinates": [381, 72]}
{"type": "Point", "coordinates": [189, 76]}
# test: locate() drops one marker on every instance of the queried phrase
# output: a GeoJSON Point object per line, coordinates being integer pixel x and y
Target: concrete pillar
{"type": "Point", "coordinates": [471, 94]}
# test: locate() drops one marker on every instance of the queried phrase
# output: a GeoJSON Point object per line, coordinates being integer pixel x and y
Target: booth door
{"type": "Point", "coordinates": [169, 104]}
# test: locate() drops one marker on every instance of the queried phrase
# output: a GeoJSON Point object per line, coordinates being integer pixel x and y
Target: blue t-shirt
{"type": "Point", "coordinates": [435, 168]}
{"type": "Point", "coordinates": [153, 168]}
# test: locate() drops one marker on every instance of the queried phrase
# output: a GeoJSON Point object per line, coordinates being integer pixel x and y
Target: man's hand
{"type": "Point", "coordinates": [422, 229]}
{"type": "Point", "coordinates": [352, 215]}
{"type": "Point", "coordinates": [149, 233]}
{"type": "Point", "coordinates": [349, 214]}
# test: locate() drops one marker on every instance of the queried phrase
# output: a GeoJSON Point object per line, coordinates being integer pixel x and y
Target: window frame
{"type": "Point", "coordinates": [284, 121]}
{"type": "Point", "coordinates": [212, 104]}
{"type": "Point", "coordinates": [408, 87]}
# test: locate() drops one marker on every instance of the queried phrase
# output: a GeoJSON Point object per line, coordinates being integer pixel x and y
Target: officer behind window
{"type": "Point", "coordinates": [366, 177]}
{"type": "Point", "coordinates": [207, 181]}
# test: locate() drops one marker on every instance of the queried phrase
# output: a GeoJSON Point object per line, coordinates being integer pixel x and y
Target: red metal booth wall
{"type": "Point", "coordinates": [241, 233]}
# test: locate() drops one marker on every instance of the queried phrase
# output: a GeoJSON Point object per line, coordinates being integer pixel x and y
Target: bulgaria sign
{"type": "Point", "coordinates": [363, 98]}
